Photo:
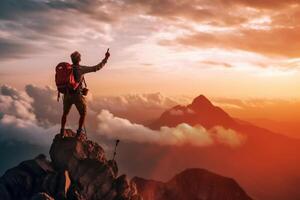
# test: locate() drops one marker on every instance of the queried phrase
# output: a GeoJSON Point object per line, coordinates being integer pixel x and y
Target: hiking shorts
{"type": "Point", "coordinates": [78, 100]}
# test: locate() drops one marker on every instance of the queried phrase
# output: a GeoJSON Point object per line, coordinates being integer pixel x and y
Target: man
{"type": "Point", "coordinates": [76, 96]}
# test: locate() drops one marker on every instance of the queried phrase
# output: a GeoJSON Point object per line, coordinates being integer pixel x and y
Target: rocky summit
{"type": "Point", "coordinates": [78, 170]}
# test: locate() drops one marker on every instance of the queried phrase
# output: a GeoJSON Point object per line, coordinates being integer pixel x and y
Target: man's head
{"type": "Point", "coordinates": [75, 57]}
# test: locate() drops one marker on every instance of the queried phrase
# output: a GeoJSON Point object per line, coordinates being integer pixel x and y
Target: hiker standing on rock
{"type": "Point", "coordinates": [69, 81]}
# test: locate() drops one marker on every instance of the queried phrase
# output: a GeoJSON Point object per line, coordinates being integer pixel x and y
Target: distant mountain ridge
{"type": "Point", "coordinates": [192, 184]}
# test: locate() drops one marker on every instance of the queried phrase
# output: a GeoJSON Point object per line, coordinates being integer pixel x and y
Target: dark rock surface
{"type": "Point", "coordinates": [78, 170]}
{"type": "Point", "coordinates": [41, 196]}
{"type": "Point", "coordinates": [192, 184]}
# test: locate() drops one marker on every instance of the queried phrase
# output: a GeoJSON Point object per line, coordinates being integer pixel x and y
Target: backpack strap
{"type": "Point", "coordinates": [83, 80]}
{"type": "Point", "coordinates": [75, 73]}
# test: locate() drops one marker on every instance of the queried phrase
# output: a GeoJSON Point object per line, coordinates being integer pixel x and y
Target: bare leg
{"type": "Point", "coordinates": [81, 121]}
{"type": "Point", "coordinates": [67, 108]}
{"type": "Point", "coordinates": [80, 104]}
{"type": "Point", "coordinates": [63, 120]}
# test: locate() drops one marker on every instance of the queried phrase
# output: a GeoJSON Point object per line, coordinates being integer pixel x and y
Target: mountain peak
{"type": "Point", "coordinates": [202, 101]}
{"type": "Point", "coordinates": [203, 112]}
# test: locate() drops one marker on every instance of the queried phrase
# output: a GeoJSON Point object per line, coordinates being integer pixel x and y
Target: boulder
{"type": "Point", "coordinates": [91, 174]}
{"type": "Point", "coordinates": [78, 170]}
{"type": "Point", "coordinates": [23, 181]}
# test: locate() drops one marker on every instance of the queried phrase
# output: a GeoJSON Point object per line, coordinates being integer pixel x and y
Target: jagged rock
{"type": "Point", "coordinates": [126, 189]}
{"type": "Point", "coordinates": [65, 152]}
{"type": "Point", "coordinates": [74, 193]}
{"type": "Point", "coordinates": [134, 192]}
{"type": "Point", "coordinates": [123, 186]}
{"type": "Point", "coordinates": [78, 171]}
{"type": "Point", "coordinates": [41, 196]}
{"type": "Point", "coordinates": [93, 177]}
{"type": "Point", "coordinates": [57, 184]}
{"type": "Point", "coordinates": [25, 179]}
{"type": "Point", "coordinates": [33, 176]}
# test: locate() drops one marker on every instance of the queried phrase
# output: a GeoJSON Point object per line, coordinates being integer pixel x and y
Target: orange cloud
{"type": "Point", "coordinates": [268, 42]}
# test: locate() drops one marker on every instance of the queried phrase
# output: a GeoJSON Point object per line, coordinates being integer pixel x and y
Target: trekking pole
{"type": "Point", "coordinates": [115, 152]}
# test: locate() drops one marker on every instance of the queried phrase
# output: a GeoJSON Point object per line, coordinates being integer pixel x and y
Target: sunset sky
{"type": "Point", "coordinates": [243, 55]}
{"type": "Point", "coordinates": [232, 48]}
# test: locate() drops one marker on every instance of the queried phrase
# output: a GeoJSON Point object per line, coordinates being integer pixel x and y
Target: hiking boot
{"type": "Point", "coordinates": [81, 135]}
{"type": "Point", "coordinates": [79, 131]}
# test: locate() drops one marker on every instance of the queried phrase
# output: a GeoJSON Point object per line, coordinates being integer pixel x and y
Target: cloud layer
{"type": "Point", "coordinates": [15, 103]}
{"type": "Point", "coordinates": [264, 27]}
{"type": "Point", "coordinates": [33, 116]}
{"type": "Point", "coordinates": [26, 131]}
{"type": "Point", "coordinates": [183, 134]}
{"type": "Point", "coordinates": [18, 119]}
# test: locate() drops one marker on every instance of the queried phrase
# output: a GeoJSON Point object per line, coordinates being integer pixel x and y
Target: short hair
{"type": "Point", "coordinates": [74, 57]}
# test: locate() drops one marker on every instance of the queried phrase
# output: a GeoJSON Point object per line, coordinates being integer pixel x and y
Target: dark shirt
{"type": "Point", "coordinates": [79, 71]}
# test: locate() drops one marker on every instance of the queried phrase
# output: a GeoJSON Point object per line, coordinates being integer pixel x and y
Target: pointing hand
{"type": "Point", "coordinates": [107, 54]}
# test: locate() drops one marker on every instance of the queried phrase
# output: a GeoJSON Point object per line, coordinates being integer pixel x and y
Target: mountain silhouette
{"type": "Point", "coordinates": [263, 154]}
{"type": "Point", "coordinates": [192, 184]}
{"type": "Point", "coordinates": [200, 111]}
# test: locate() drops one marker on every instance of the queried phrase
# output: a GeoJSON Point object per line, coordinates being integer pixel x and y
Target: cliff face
{"type": "Point", "coordinates": [192, 184]}
{"type": "Point", "coordinates": [78, 170]}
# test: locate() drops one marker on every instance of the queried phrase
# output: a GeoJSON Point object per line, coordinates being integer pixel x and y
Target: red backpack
{"type": "Point", "coordinates": [64, 78]}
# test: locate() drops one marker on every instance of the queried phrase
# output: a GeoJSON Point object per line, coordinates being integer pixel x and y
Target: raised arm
{"type": "Point", "coordinates": [86, 69]}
